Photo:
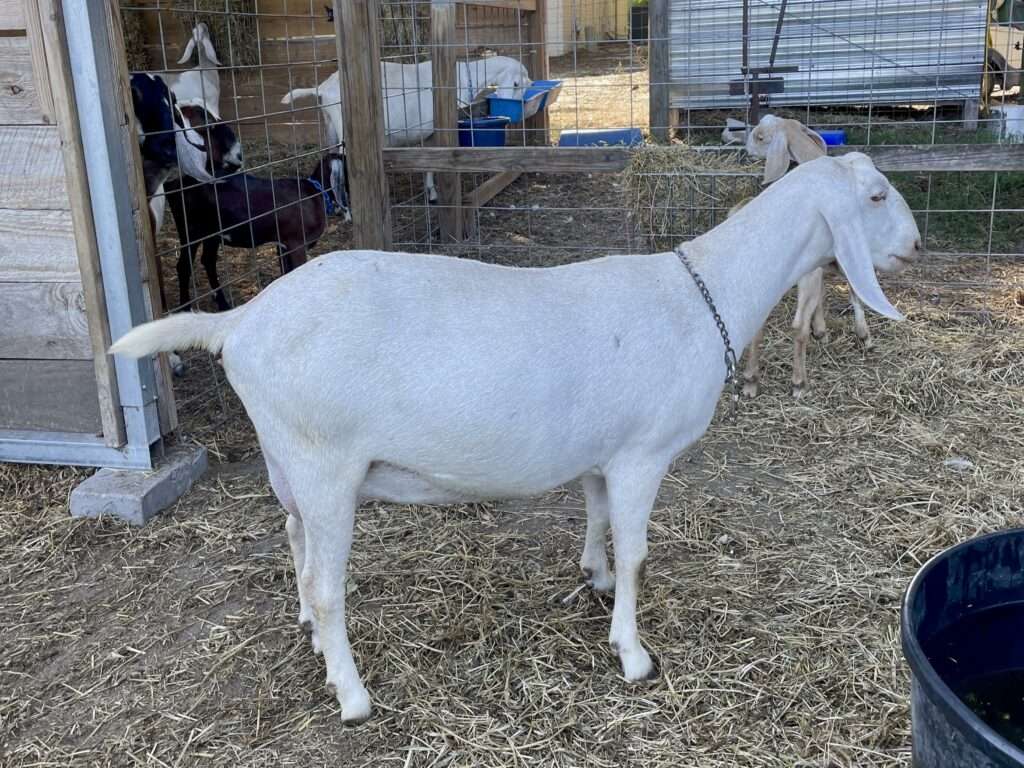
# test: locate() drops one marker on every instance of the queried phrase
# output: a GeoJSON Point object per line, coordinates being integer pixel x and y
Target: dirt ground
{"type": "Point", "coordinates": [780, 546]}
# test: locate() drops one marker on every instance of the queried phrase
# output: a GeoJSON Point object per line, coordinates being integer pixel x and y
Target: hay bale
{"type": "Point", "coordinates": [135, 41]}
{"type": "Point", "coordinates": [678, 192]}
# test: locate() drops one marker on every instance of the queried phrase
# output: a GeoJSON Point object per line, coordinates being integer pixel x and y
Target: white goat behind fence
{"type": "Point", "coordinates": [425, 379]}
{"type": "Point", "coordinates": [409, 98]}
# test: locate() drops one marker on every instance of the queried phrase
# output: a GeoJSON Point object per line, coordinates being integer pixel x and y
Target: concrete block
{"type": "Point", "coordinates": [135, 496]}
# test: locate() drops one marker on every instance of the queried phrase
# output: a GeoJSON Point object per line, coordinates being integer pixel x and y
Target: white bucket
{"type": "Point", "coordinates": [1011, 121]}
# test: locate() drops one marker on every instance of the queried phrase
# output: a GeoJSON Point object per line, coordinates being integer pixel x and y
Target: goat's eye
{"type": "Point", "coordinates": [880, 197]}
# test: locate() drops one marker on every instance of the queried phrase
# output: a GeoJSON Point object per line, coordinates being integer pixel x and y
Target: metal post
{"type": "Point", "coordinates": [89, 53]}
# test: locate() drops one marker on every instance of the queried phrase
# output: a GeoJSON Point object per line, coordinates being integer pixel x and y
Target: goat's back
{"type": "Point", "coordinates": [416, 352]}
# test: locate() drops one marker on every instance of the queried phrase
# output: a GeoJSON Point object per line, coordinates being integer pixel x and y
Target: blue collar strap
{"type": "Point", "coordinates": [326, 194]}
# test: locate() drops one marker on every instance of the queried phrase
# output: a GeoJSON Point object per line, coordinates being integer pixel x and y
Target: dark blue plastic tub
{"type": "Point", "coordinates": [598, 137]}
{"type": "Point", "coordinates": [963, 633]}
{"type": "Point", "coordinates": [483, 132]}
{"type": "Point", "coordinates": [833, 138]}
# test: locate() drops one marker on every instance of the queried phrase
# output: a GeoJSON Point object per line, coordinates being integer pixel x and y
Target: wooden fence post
{"type": "Point", "coordinates": [356, 25]}
{"type": "Point", "coordinates": [538, 127]}
{"type": "Point", "coordinates": [446, 114]}
{"type": "Point", "coordinates": [658, 68]}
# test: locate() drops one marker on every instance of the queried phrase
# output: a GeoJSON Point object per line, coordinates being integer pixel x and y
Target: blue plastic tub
{"type": "Point", "coordinates": [833, 138]}
{"type": "Point", "coordinates": [483, 132]}
{"type": "Point", "coordinates": [540, 95]}
{"type": "Point", "coordinates": [598, 137]}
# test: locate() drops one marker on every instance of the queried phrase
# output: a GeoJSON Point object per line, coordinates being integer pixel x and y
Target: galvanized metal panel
{"type": "Point", "coordinates": [847, 51]}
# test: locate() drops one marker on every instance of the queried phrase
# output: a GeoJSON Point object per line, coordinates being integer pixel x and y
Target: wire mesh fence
{"type": "Point", "coordinates": [867, 73]}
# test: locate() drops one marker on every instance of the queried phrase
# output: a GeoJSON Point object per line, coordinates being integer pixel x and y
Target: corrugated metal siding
{"type": "Point", "coordinates": [848, 51]}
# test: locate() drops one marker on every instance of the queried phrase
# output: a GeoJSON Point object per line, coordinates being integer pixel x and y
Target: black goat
{"type": "Point", "coordinates": [247, 211]}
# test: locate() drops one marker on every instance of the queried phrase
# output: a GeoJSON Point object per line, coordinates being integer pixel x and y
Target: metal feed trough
{"type": "Point", "coordinates": [826, 52]}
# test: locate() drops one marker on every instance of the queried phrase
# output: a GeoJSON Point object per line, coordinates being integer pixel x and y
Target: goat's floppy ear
{"type": "Point", "coordinates": [776, 161]}
{"type": "Point", "coordinates": [211, 54]}
{"type": "Point", "coordinates": [840, 207]}
{"type": "Point", "coordinates": [804, 144]}
{"type": "Point", "coordinates": [189, 50]}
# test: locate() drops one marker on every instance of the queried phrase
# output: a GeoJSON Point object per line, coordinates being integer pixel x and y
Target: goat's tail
{"type": "Point", "coordinates": [185, 330]}
{"type": "Point", "coordinates": [299, 93]}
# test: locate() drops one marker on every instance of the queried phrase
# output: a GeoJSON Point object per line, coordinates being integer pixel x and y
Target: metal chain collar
{"type": "Point", "coordinates": [731, 364]}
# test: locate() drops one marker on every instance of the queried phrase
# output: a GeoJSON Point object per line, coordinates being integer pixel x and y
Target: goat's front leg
{"type": "Point", "coordinates": [808, 296]}
{"type": "Point", "coordinates": [631, 493]}
{"type": "Point", "coordinates": [327, 501]}
{"type": "Point", "coordinates": [860, 323]}
{"type": "Point", "coordinates": [752, 370]}
{"type": "Point", "coordinates": [291, 257]}
{"type": "Point", "coordinates": [431, 188]}
{"type": "Point", "coordinates": [594, 562]}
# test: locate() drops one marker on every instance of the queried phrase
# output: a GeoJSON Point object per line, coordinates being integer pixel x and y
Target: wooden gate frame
{"type": "Point", "coordinates": [80, 48]}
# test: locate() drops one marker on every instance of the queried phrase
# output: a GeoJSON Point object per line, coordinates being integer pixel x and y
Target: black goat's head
{"type": "Point", "coordinates": [223, 149]}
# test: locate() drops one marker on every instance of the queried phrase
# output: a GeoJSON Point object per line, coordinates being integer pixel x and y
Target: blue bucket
{"type": "Point", "coordinates": [483, 132]}
{"type": "Point", "coordinates": [601, 137]}
{"type": "Point", "coordinates": [833, 138]}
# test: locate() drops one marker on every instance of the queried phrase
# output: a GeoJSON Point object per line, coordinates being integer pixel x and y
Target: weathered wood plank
{"type": "Point", "coordinates": [32, 169]}
{"type": "Point", "coordinates": [19, 102]}
{"type": "Point", "coordinates": [520, 159]}
{"type": "Point", "coordinates": [40, 69]}
{"type": "Point", "coordinates": [446, 115]}
{"type": "Point", "coordinates": [484, 193]}
{"type": "Point", "coordinates": [357, 24]}
{"type": "Point", "coordinates": [37, 246]}
{"type": "Point", "coordinates": [658, 67]}
{"type": "Point", "coordinates": [80, 204]}
{"type": "Point", "coordinates": [937, 159]}
{"type": "Point", "coordinates": [43, 321]}
{"type": "Point", "coordinates": [12, 15]}
{"type": "Point", "coordinates": [51, 395]}
{"type": "Point", "coordinates": [943, 157]}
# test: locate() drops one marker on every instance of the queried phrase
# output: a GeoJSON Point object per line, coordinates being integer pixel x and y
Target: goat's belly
{"type": "Point", "coordinates": [387, 482]}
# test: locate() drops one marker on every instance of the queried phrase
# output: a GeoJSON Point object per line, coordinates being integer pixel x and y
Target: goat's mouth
{"type": "Point", "coordinates": [900, 262]}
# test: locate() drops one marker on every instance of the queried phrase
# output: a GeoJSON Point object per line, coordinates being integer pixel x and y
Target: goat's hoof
{"type": "Point", "coordinates": [355, 706]}
{"type": "Point", "coordinates": [314, 639]}
{"type": "Point", "coordinates": [603, 583]}
{"type": "Point", "coordinates": [868, 342]}
{"type": "Point", "coordinates": [799, 390]}
{"type": "Point", "coordinates": [750, 389]}
{"type": "Point", "coordinates": [178, 367]}
{"type": "Point", "coordinates": [637, 665]}
{"type": "Point", "coordinates": [820, 336]}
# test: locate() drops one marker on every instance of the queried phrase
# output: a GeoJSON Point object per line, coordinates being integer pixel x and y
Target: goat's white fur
{"type": "Point", "coordinates": [779, 141]}
{"type": "Point", "coordinates": [428, 379]}
{"type": "Point", "coordinates": [409, 98]}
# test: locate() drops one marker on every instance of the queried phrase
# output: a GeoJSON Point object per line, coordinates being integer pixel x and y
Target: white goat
{"type": "Point", "coordinates": [202, 82]}
{"type": "Point", "coordinates": [421, 379]}
{"type": "Point", "coordinates": [409, 98]}
{"type": "Point", "coordinates": [780, 140]}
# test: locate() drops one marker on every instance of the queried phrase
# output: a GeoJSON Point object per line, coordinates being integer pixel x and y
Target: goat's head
{"type": "Point", "coordinates": [780, 140]}
{"type": "Point", "coordinates": [504, 77]}
{"type": "Point", "coordinates": [223, 149]}
{"type": "Point", "coordinates": [870, 223]}
{"type": "Point", "coordinates": [200, 37]}
{"type": "Point", "coordinates": [166, 136]}
{"type": "Point", "coordinates": [331, 173]}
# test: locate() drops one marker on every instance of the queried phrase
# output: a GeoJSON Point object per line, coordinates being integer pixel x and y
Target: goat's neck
{"type": "Point", "coordinates": [751, 260]}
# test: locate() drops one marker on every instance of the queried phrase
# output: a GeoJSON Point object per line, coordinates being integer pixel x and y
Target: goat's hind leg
{"type": "Point", "coordinates": [327, 500]}
{"type": "Point", "coordinates": [296, 539]}
{"type": "Point", "coordinates": [594, 562]}
{"type": "Point", "coordinates": [809, 296]}
{"type": "Point", "coordinates": [209, 259]}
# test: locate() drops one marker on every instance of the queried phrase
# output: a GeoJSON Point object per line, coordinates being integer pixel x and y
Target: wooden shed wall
{"type": "Point", "coordinates": [298, 52]}
{"type": "Point", "coordinates": [51, 334]}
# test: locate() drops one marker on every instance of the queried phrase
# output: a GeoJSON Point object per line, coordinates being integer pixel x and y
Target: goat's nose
{"type": "Point", "coordinates": [917, 246]}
